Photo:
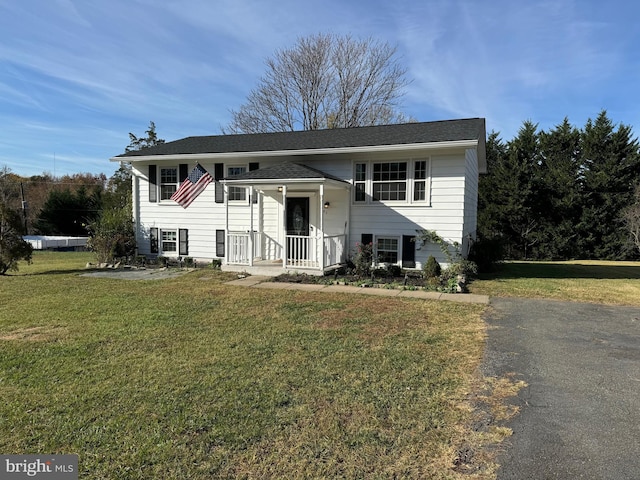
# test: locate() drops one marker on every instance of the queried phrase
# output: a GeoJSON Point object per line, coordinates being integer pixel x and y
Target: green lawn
{"type": "Point", "coordinates": [614, 283]}
{"type": "Point", "coordinates": [192, 378]}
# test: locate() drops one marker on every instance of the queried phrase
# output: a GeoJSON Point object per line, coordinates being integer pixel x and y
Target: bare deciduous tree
{"type": "Point", "coordinates": [631, 216]}
{"type": "Point", "coordinates": [325, 81]}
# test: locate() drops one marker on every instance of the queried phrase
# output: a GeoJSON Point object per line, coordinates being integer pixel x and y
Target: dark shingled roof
{"type": "Point", "coordinates": [399, 134]}
{"type": "Point", "coordinates": [285, 171]}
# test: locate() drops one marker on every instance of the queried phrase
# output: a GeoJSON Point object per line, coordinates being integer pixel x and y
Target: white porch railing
{"type": "Point", "coordinates": [238, 248]}
{"type": "Point", "coordinates": [302, 251]}
{"type": "Point", "coordinates": [334, 250]}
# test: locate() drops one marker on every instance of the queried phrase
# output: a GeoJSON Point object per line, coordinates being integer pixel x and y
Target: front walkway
{"type": "Point", "coordinates": [257, 281]}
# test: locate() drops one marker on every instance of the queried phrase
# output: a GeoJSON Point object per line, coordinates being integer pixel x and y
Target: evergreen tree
{"type": "Point", "coordinates": [559, 192]}
{"type": "Point", "coordinates": [610, 168]}
{"type": "Point", "coordinates": [12, 246]}
{"type": "Point", "coordinates": [67, 213]}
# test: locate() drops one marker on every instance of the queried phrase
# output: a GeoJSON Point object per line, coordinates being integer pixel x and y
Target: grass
{"type": "Point", "coordinates": [192, 378]}
{"type": "Point", "coordinates": [612, 283]}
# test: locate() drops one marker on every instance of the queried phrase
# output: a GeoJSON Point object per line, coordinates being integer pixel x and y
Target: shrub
{"type": "Point", "coordinates": [112, 235]}
{"type": "Point", "coordinates": [12, 246]}
{"type": "Point", "coordinates": [487, 252]}
{"type": "Point", "coordinates": [431, 268]}
{"type": "Point", "coordinates": [363, 259]}
{"type": "Point", "coordinates": [394, 270]}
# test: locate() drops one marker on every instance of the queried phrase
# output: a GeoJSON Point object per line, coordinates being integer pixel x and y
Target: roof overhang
{"type": "Point", "coordinates": [277, 182]}
{"type": "Point", "coordinates": [457, 144]}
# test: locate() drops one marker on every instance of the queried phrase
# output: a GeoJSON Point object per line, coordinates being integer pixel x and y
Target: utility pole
{"type": "Point", "coordinates": [24, 208]}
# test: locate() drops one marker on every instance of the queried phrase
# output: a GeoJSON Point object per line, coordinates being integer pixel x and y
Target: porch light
{"type": "Point", "coordinates": [327, 204]}
{"type": "Point", "coordinates": [280, 189]}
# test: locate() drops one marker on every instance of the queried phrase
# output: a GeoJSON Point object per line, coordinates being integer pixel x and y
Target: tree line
{"type": "Point", "coordinates": [72, 205]}
{"type": "Point", "coordinates": [565, 193]}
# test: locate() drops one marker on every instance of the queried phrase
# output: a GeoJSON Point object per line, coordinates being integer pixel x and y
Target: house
{"type": "Point", "coordinates": [302, 200]}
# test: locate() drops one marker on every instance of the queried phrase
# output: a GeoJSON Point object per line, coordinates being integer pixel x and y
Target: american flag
{"type": "Point", "coordinates": [192, 186]}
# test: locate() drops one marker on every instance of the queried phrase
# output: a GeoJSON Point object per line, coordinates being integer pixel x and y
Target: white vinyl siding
{"type": "Point", "coordinates": [443, 210]}
{"type": "Point", "coordinates": [450, 199]}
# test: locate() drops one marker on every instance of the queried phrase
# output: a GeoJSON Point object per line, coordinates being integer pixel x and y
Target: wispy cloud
{"type": "Point", "coordinates": [76, 77]}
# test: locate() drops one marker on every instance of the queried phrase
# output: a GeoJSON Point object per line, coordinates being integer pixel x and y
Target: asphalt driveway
{"type": "Point", "coordinates": [580, 414]}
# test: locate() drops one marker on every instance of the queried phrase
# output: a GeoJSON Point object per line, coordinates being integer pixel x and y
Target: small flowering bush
{"type": "Point", "coordinates": [363, 259]}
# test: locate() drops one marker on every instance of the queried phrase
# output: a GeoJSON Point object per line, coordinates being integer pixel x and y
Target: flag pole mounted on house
{"type": "Point", "coordinates": [192, 186]}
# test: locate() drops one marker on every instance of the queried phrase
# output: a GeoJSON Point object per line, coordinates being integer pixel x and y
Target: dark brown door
{"type": "Point", "coordinates": [298, 225]}
{"type": "Point", "coordinates": [298, 216]}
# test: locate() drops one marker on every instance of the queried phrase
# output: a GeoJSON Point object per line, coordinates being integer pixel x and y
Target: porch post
{"type": "Point", "coordinates": [347, 228]}
{"type": "Point", "coordinates": [226, 224]}
{"type": "Point", "coordinates": [285, 253]}
{"type": "Point", "coordinates": [251, 194]}
{"type": "Point", "coordinates": [321, 235]}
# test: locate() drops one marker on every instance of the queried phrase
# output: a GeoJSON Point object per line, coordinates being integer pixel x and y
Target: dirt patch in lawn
{"type": "Point", "coordinates": [33, 334]}
{"type": "Point", "coordinates": [139, 274]}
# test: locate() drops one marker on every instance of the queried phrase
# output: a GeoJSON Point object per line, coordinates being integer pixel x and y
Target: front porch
{"type": "Point", "coordinates": [296, 219]}
{"type": "Point", "coordinates": [257, 253]}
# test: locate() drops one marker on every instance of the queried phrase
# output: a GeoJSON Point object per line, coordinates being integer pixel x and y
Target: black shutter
{"type": "Point", "coordinates": [183, 241]}
{"type": "Point", "coordinates": [153, 239]}
{"type": "Point", "coordinates": [218, 174]}
{"type": "Point", "coordinates": [153, 181]}
{"type": "Point", "coordinates": [408, 251]}
{"type": "Point", "coordinates": [183, 172]}
{"type": "Point", "coordinates": [254, 194]}
{"type": "Point", "coordinates": [220, 243]}
{"type": "Point", "coordinates": [366, 239]}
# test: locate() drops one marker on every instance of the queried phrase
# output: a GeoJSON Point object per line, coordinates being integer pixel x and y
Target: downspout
{"type": "Point", "coordinates": [347, 227]}
{"type": "Point", "coordinates": [285, 253]}
{"type": "Point", "coordinates": [226, 223]}
{"type": "Point", "coordinates": [320, 236]}
{"type": "Point", "coordinates": [135, 205]}
{"type": "Point", "coordinates": [251, 194]}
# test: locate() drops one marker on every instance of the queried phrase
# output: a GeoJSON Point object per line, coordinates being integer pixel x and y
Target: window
{"type": "Point", "coordinates": [169, 241]}
{"type": "Point", "coordinates": [401, 181]}
{"type": "Point", "coordinates": [360, 182]}
{"type": "Point", "coordinates": [237, 193]}
{"type": "Point", "coordinates": [387, 250]}
{"type": "Point", "coordinates": [420, 181]}
{"type": "Point", "coordinates": [168, 182]}
{"type": "Point", "coordinates": [390, 181]}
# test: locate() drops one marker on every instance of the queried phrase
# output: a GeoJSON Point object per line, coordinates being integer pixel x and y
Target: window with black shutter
{"type": "Point", "coordinates": [153, 182]}
{"type": "Point", "coordinates": [153, 240]}
{"type": "Point", "coordinates": [220, 243]}
{"type": "Point", "coordinates": [408, 251]}
{"type": "Point", "coordinates": [183, 172]}
{"type": "Point", "coordinates": [183, 241]}
{"type": "Point", "coordinates": [254, 194]}
{"type": "Point", "coordinates": [218, 174]}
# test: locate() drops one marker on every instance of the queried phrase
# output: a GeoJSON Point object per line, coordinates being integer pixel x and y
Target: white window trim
{"type": "Point", "coordinates": [161, 250]}
{"type": "Point", "coordinates": [411, 182]}
{"type": "Point", "coordinates": [160, 184]}
{"type": "Point", "coordinates": [398, 250]}
{"type": "Point", "coordinates": [247, 193]}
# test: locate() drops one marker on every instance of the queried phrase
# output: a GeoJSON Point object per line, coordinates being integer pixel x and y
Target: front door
{"type": "Point", "coordinates": [297, 226]}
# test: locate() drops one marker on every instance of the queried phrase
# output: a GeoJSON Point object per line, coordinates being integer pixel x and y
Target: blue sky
{"type": "Point", "coordinates": [76, 76]}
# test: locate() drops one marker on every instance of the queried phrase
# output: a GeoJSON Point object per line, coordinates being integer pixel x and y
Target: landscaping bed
{"type": "Point", "coordinates": [380, 278]}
